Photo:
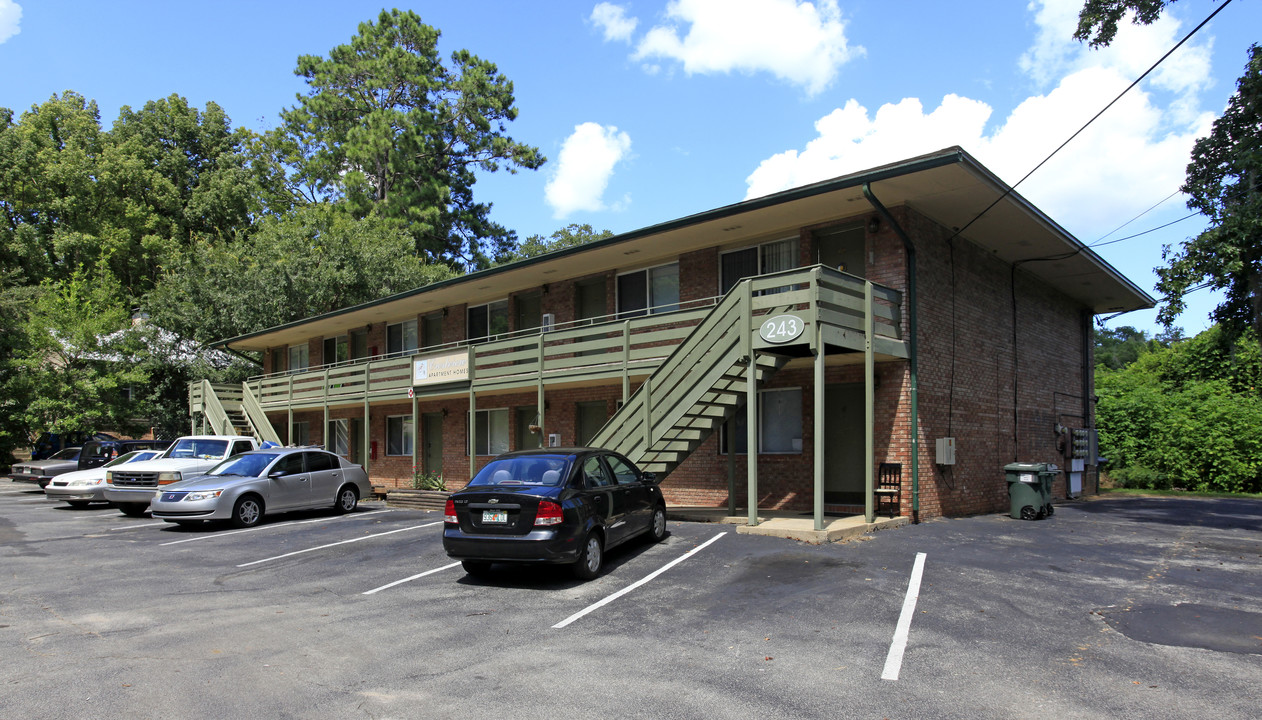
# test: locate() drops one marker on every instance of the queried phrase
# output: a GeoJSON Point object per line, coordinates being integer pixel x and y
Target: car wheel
{"type": "Point", "coordinates": [133, 509]}
{"type": "Point", "coordinates": [476, 568]}
{"type": "Point", "coordinates": [78, 504]}
{"type": "Point", "coordinates": [347, 499]}
{"type": "Point", "coordinates": [247, 512]}
{"type": "Point", "coordinates": [590, 559]}
{"type": "Point", "coordinates": [657, 529]}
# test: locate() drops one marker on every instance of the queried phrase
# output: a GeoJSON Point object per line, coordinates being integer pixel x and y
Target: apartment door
{"type": "Point", "coordinates": [844, 443]}
{"type": "Point", "coordinates": [591, 418]}
{"type": "Point", "coordinates": [841, 249]}
{"type": "Point", "coordinates": [432, 442]}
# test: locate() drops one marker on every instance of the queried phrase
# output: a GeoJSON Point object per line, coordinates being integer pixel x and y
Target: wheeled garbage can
{"type": "Point", "coordinates": [1025, 490]}
{"type": "Point", "coordinates": [1047, 476]}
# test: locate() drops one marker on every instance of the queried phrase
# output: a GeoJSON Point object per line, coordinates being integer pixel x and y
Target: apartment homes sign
{"type": "Point", "coordinates": [441, 368]}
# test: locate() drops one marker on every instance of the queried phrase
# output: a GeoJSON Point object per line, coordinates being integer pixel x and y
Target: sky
{"type": "Point", "coordinates": [652, 110]}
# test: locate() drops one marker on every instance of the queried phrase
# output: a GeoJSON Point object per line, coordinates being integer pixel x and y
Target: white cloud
{"type": "Point", "coordinates": [800, 42]}
{"type": "Point", "coordinates": [583, 169]}
{"type": "Point", "coordinates": [1132, 156]}
{"type": "Point", "coordinates": [10, 19]}
{"type": "Point", "coordinates": [614, 21]}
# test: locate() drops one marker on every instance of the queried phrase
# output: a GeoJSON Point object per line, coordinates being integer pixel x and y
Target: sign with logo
{"type": "Point", "coordinates": [443, 368]}
{"type": "Point", "coordinates": [781, 329]}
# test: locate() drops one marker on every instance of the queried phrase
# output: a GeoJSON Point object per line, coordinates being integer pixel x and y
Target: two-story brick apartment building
{"type": "Point", "coordinates": [863, 326]}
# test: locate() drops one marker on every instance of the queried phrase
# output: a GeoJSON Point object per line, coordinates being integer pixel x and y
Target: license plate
{"type": "Point", "coordinates": [494, 516]}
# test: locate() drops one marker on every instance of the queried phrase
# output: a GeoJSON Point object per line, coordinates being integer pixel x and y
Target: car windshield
{"type": "Point", "coordinates": [548, 470]}
{"type": "Point", "coordinates": [133, 456]}
{"type": "Point", "coordinates": [67, 454]}
{"type": "Point", "coordinates": [195, 448]}
{"type": "Point", "coordinates": [251, 465]}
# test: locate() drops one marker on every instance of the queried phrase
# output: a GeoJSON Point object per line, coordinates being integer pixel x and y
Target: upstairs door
{"type": "Point", "coordinates": [842, 249]}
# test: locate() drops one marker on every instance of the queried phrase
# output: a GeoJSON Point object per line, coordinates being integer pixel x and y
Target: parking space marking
{"type": "Point", "coordinates": [597, 605]}
{"type": "Point", "coordinates": [410, 579]}
{"type": "Point", "coordinates": [894, 660]}
{"type": "Point", "coordinates": [271, 525]}
{"type": "Point", "coordinates": [133, 527]}
{"type": "Point", "coordinates": [342, 542]}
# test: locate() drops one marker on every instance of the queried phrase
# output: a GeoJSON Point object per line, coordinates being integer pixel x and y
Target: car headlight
{"type": "Point", "coordinates": [166, 478]}
{"type": "Point", "coordinates": [202, 495]}
{"type": "Point", "coordinates": [80, 482]}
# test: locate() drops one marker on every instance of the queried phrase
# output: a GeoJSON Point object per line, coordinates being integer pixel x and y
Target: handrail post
{"type": "Point", "coordinates": [751, 399]}
{"type": "Point", "coordinates": [869, 412]}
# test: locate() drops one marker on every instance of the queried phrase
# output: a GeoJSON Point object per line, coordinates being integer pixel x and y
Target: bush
{"type": "Point", "coordinates": [1139, 478]}
{"type": "Point", "coordinates": [422, 480]}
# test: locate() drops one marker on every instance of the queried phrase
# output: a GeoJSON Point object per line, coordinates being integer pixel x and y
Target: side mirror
{"type": "Point", "coordinates": [649, 477]}
{"type": "Point", "coordinates": [276, 475]}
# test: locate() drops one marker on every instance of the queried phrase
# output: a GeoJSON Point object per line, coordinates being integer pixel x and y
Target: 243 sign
{"type": "Point", "coordinates": [781, 329]}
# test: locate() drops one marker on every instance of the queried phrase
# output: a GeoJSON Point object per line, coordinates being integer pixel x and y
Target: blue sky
{"type": "Point", "coordinates": [649, 110]}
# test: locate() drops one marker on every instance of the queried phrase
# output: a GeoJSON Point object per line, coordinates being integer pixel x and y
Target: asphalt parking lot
{"type": "Point", "coordinates": [1145, 608]}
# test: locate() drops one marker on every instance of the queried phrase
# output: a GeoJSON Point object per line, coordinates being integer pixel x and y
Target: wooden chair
{"type": "Point", "coordinates": [889, 488]}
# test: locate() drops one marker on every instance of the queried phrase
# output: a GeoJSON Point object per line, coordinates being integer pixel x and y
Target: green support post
{"type": "Point", "coordinates": [869, 412]}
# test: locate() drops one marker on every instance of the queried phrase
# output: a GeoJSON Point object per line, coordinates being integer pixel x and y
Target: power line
{"type": "Point", "coordinates": [1128, 222]}
{"type": "Point", "coordinates": [1170, 52]}
{"type": "Point", "coordinates": [1129, 237]}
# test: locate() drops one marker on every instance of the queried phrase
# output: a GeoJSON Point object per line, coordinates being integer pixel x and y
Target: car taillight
{"type": "Point", "coordinates": [549, 513]}
{"type": "Point", "coordinates": [449, 512]}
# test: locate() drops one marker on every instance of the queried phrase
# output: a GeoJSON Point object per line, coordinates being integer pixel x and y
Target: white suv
{"type": "Point", "coordinates": [131, 487]}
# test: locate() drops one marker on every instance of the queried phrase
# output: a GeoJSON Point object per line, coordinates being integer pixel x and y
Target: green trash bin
{"type": "Point", "coordinates": [1047, 476]}
{"type": "Point", "coordinates": [1025, 490]}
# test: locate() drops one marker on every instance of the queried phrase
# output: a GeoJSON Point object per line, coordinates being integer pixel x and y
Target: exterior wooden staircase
{"type": "Point", "coordinates": [695, 390]}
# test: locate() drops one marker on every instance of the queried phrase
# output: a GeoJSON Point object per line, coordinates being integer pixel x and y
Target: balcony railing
{"type": "Point", "coordinates": [592, 348]}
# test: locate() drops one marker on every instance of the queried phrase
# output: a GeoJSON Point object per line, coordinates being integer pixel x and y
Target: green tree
{"type": "Point", "coordinates": [1098, 20]}
{"type": "Point", "coordinates": [78, 362]}
{"type": "Point", "coordinates": [571, 235]}
{"type": "Point", "coordinates": [312, 261]}
{"type": "Point", "coordinates": [388, 128]}
{"type": "Point", "coordinates": [1224, 183]}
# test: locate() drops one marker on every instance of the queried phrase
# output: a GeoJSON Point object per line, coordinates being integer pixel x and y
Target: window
{"type": "Point", "coordinates": [399, 435]}
{"type": "Point", "coordinates": [298, 357]}
{"type": "Point", "coordinates": [301, 434]}
{"type": "Point", "coordinates": [594, 474]}
{"type": "Point", "coordinates": [401, 337]}
{"type": "Point", "coordinates": [288, 465]}
{"type": "Point", "coordinates": [337, 349]}
{"type": "Point", "coordinates": [653, 290]}
{"type": "Point", "coordinates": [490, 434]}
{"type": "Point", "coordinates": [317, 461]}
{"type": "Point", "coordinates": [241, 446]}
{"type": "Point", "coordinates": [779, 424]}
{"type": "Point", "coordinates": [758, 260]}
{"type": "Point", "coordinates": [487, 320]}
{"type": "Point", "coordinates": [622, 471]}
{"type": "Point", "coordinates": [339, 437]}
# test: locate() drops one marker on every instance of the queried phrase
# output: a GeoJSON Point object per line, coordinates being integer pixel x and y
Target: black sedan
{"type": "Point", "coordinates": [552, 505]}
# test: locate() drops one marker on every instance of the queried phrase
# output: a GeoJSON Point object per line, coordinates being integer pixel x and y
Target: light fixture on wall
{"type": "Point", "coordinates": [874, 225]}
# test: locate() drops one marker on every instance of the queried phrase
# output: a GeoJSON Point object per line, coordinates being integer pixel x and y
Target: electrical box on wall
{"type": "Point", "coordinates": [554, 439]}
{"type": "Point", "coordinates": [946, 451]}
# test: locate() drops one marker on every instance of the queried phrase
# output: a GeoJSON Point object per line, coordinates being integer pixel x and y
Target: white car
{"type": "Point", "coordinates": [88, 486]}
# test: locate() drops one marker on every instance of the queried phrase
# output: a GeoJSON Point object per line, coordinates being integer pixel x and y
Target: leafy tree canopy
{"type": "Point", "coordinates": [388, 128]}
{"type": "Point", "coordinates": [571, 235]}
{"type": "Point", "coordinates": [1098, 20]}
{"type": "Point", "coordinates": [314, 260]}
{"type": "Point", "coordinates": [1224, 183]}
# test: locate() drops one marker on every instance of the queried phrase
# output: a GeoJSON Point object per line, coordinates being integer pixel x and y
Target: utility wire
{"type": "Point", "coordinates": [1170, 52]}
{"type": "Point", "coordinates": [1128, 222]}
{"type": "Point", "coordinates": [1098, 243]}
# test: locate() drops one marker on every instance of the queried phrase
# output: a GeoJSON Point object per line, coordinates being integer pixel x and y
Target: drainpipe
{"type": "Point", "coordinates": [911, 347]}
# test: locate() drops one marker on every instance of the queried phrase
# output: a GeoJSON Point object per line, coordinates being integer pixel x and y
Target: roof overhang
{"type": "Point", "coordinates": [949, 187]}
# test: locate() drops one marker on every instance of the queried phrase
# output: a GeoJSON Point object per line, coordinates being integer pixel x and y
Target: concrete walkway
{"type": "Point", "coordinates": [793, 525]}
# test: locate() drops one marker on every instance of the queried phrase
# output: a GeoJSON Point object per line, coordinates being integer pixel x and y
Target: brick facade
{"type": "Point", "coordinates": [1003, 358]}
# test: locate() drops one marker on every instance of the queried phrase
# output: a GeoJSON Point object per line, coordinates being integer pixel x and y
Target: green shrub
{"type": "Point", "coordinates": [422, 480]}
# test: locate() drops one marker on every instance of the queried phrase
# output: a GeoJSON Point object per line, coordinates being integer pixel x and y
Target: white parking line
{"type": "Point", "coordinates": [894, 661]}
{"type": "Point", "coordinates": [271, 525]}
{"type": "Point", "coordinates": [629, 588]}
{"type": "Point", "coordinates": [343, 542]}
{"type": "Point", "coordinates": [133, 527]}
{"type": "Point", "coordinates": [410, 579]}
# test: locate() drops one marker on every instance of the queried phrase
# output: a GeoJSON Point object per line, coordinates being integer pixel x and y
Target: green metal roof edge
{"type": "Point", "coordinates": [906, 167]}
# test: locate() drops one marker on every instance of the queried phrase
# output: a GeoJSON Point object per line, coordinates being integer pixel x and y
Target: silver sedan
{"type": "Point", "coordinates": [245, 487]}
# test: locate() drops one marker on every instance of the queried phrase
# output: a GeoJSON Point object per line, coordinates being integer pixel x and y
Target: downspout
{"type": "Point", "coordinates": [911, 347]}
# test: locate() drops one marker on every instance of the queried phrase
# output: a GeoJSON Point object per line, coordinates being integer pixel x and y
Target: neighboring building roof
{"type": "Point", "coordinates": [948, 186]}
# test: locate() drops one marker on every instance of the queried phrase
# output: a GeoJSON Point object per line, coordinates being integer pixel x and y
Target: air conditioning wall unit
{"type": "Point", "coordinates": [549, 320]}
